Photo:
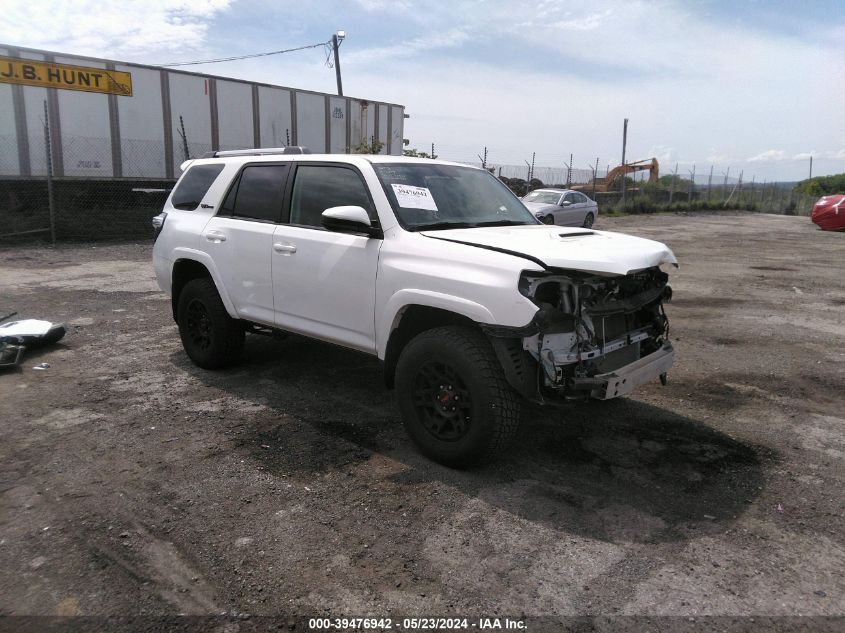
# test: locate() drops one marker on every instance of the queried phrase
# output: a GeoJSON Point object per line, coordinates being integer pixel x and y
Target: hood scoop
{"type": "Point", "coordinates": [577, 234]}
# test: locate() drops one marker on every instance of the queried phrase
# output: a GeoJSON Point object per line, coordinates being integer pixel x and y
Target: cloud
{"type": "Point", "coordinates": [717, 157]}
{"type": "Point", "coordinates": [409, 48]}
{"type": "Point", "coordinates": [662, 153]}
{"type": "Point", "coordinates": [587, 22]}
{"type": "Point", "coordinates": [780, 155]}
{"type": "Point", "coordinates": [769, 156]}
{"type": "Point", "coordinates": [379, 6]}
{"type": "Point", "coordinates": [111, 27]}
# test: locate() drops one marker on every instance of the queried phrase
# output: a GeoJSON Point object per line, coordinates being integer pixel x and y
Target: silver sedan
{"type": "Point", "coordinates": [563, 207]}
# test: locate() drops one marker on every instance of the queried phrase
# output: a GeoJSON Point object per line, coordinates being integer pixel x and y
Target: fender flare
{"type": "Point", "coordinates": [205, 259]}
{"type": "Point", "coordinates": [392, 312]}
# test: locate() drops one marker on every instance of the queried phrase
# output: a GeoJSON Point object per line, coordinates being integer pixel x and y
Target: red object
{"type": "Point", "coordinates": [829, 213]}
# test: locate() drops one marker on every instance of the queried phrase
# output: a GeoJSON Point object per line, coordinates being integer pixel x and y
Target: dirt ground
{"type": "Point", "coordinates": [132, 482]}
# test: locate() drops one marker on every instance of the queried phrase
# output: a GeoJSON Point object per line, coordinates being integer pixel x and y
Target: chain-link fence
{"type": "Point", "coordinates": [670, 192]}
{"type": "Point", "coordinates": [84, 194]}
{"type": "Point", "coordinates": [81, 209]}
{"type": "Point", "coordinates": [81, 193]}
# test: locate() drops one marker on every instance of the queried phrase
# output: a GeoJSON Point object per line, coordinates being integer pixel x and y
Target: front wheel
{"type": "Point", "coordinates": [211, 338]}
{"type": "Point", "coordinates": [454, 399]}
{"type": "Point", "coordinates": [588, 221]}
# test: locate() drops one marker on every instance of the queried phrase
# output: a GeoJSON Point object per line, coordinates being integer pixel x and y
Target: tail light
{"type": "Point", "coordinates": [158, 224]}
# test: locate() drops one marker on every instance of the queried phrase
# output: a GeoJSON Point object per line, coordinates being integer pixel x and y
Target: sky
{"type": "Point", "coordinates": [748, 85]}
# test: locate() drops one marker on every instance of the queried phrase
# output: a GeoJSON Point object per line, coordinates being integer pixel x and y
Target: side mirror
{"type": "Point", "coordinates": [565, 203]}
{"type": "Point", "coordinates": [349, 219]}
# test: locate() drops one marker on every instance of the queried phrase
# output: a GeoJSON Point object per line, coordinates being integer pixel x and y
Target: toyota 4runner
{"type": "Point", "coordinates": [436, 268]}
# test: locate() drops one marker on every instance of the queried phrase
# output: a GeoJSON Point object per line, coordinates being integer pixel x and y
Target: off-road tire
{"type": "Point", "coordinates": [588, 220]}
{"type": "Point", "coordinates": [217, 340]}
{"type": "Point", "coordinates": [495, 409]}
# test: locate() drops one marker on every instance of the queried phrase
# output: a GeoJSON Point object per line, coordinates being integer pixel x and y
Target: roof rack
{"type": "Point", "coordinates": [259, 151]}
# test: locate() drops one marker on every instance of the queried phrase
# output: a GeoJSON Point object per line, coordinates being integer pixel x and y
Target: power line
{"type": "Point", "coordinates": [231, 59]}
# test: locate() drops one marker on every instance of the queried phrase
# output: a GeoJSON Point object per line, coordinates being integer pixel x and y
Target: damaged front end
{"type": "Point", "coordinates": [592, 336]}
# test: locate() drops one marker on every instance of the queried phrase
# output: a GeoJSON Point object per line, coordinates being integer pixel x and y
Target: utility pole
{"type": "Point", "coordinates": [337, 38]}
{"type": "Point", "coordinates": [624, 146]}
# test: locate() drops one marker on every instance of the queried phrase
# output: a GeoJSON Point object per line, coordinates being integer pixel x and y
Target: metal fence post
{"type": "Point", "coordinates": [49, 157]}
{"type": "Point", "coordinates": [709, 183]}
{"type": "Point", "coordinates": [691, 185]}
{"type": "Point", "coordinates": [672, 186]}
{"type": "Point", "coordinates": [624, 147]}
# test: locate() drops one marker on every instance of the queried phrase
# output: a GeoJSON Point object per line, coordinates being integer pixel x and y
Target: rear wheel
{"type": "Point", "coordinates": [211, 338]}
{"type": "Point", "coordinates": [454, 399]}
{"type": "Point", "coordinates": [588, 221]}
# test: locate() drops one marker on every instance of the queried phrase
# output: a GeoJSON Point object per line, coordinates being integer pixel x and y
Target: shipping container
{"type": "Point", "coordinates": [115, 120]}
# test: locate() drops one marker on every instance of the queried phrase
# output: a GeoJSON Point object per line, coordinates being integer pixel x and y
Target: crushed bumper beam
{"type": "Point", "coordinates": [625, 379]}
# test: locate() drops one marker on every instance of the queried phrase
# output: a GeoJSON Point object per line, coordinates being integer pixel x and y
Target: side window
{"type": "Point", "coordinates": [228, 206]}
{"type": "Point", "coordinates": [571, 197]}
{"type": "Point", "coordinates": [319, 187]}
{"type": "Point", "coordinates": [194, 185]}
{"type": "Point", "coordinates": [258, 193]}
{"type": "Point", "coordinates": [582, 198]}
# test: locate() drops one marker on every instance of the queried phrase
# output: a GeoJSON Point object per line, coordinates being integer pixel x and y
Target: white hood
{"type": "Point", "coordinates": [569, 248]}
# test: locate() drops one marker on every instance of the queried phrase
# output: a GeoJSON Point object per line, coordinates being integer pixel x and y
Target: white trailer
{"type": "Point", "coordinates": [116, 120]}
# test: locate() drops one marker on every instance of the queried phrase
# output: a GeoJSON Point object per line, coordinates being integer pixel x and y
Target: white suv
{"type": "Point", "coordinates": [436, 268]}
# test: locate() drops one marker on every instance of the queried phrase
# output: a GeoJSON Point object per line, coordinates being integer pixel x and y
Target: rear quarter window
{"type": "Point", "coordinates": [194, 185]}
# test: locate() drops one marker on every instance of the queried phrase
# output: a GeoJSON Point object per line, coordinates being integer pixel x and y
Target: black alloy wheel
{"type": "Point", "coordinates": [442, 402]}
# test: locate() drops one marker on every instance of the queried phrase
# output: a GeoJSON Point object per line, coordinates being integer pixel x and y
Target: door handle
{"type": "Point", "coordinates": [284, 248]}
{"type": "Point", "coordinates": [215, 236]}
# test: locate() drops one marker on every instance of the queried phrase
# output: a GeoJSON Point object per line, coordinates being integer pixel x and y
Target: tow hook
{"type": "Point", "coordinates": [664, 379]}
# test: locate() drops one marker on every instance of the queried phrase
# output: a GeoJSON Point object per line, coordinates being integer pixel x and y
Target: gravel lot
{"type": "Point", "coordinates": [132, 482]}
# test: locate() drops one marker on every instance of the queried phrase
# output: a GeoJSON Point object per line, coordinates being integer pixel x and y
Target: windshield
{"type": "Point", "coordinates": [542, 197]}
{"type": "Point", "coordinates": [433, 196]}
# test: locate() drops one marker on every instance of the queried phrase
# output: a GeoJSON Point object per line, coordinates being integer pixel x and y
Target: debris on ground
{"type": "Point", "coordinates": [18, 336]}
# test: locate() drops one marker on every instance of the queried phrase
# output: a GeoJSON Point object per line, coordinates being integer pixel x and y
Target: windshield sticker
{"type": "Point", "coordinates": [410, 197]}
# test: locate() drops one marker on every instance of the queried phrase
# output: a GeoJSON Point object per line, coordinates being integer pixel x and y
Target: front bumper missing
{"type": "Point", "coordinates": [625, 379]}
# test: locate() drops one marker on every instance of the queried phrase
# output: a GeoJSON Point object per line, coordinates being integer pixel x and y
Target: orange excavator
{"type": "Point", "coordinates": [611, 182]}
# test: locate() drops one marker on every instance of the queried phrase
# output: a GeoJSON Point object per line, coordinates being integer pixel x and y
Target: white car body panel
{"type": "Point", "coordinates": [480, 284]}
{"type": "Point", "coordinates": [241, 250]}
{"type": "Point", "coordinates": [586, 250]}
{"type": "Point", "coordinates": [327, 287]}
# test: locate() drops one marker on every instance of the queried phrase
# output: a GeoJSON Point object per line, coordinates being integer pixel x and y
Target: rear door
{"type": "Point", "coordinates": [588, 205]}
{"type": "Point", "coordinates": [324, 282]}
{"type": "Point", "coordinates": [573, 213]}
{"type": "Point", "coordinates": [240, 238]}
